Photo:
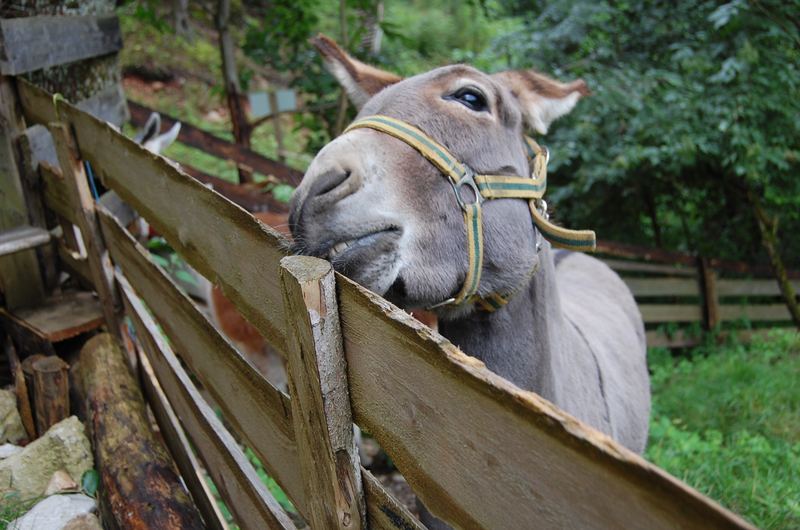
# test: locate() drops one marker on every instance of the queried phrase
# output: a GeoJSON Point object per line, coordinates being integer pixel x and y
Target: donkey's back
{"type": "Point", "coordinates": [601, 308]}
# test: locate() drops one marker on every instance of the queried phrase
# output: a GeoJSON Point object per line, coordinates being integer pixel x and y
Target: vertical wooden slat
{"type": "Point", "coordinates": [20, 279]}
{"type": "Point", "coordinates": [77, 184]}
{"type": "Point", "coordinates": [708, 286]}
{"type": "Point", "coordinates": [247, 497]}
{"type": "Point", "coordinates": [320, 399]}
{"type": "Point", "coordinates": [178, 446]}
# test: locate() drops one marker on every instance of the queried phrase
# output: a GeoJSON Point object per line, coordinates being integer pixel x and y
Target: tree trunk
{"type": "Point", "coordinates": [242, 129]}
{"type": "Point", "coordinates": [768, 229]}
{"type": "Point", "coordinates": [652, 211]}
{"type": "Point", "coordinates": [140, 488]}
{"type": "Point", "coordinates": [180, 18]}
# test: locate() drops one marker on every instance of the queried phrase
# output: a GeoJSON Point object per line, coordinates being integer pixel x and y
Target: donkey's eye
{"type": "Point", "coordinates": [471, 98]}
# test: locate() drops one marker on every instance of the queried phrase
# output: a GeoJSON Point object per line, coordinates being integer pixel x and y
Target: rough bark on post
{"type": "Point", "coordinates": [321, 414]}
{"type": "Point", "coordinates": [27, 374]}
{"type": "Point", "coordinates": [51, 392]}
{"type": "Point", "coordinates": [241, 127]}
{"type": "Point", "coordinates": [75, 178]}
{"type": "Point", "coordinates": [139, 486]}
{"type": "Point", "coordinates": [20, 388]}
{"type": "Point", "coordinates": [768, 228]}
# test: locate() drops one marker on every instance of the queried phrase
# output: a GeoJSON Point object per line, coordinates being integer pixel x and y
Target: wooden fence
{"type": "Point", "coordinates": [479, 451]}
{"type": "Point", "coordinates": [685, 291]}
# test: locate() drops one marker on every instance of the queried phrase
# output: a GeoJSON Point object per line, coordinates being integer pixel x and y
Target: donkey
{"type": "Point", "coordinates": [385, 216]}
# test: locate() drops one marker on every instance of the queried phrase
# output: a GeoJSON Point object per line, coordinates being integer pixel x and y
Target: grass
{"type": "Point", "coordinates": [726, 420]}
{"type": "Point", "coordinates": [12, 507]}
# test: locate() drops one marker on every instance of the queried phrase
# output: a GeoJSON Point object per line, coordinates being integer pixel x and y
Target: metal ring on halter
{"type": "Point", "coordinates": [467, 180]}
{"type": "Point", "coordinates": [541, 205]}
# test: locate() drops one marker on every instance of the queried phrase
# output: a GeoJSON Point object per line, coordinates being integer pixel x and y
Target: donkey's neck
{"type": "Point", "coordinates": [522, 341]}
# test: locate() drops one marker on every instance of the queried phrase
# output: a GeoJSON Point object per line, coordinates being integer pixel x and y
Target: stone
{"type": "Point", "coordinates": [7, 450]}
{"type": "Point", "coordinates": [55, 513]}
{"type": "Point", "coordinates": [88, 521]}
{"type": "Point", "coordinates": [61, 482]}
{"type": "Point", "coordinates": [11, 428]}
{"type": "Point", "coordinates": [64, 446]}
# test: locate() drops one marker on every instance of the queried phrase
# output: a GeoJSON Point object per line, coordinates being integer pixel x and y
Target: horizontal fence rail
{"type": "Point", "coordinates": [673, 288]}
{"type": "Point", "coordinates": [478, 450]}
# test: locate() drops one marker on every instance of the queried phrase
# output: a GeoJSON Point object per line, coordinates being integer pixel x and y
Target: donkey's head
{"type": "Point", "coordinates": [389, 219]}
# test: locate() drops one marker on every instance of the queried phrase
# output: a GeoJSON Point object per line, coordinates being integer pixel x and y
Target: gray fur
{"type": "Point", "coordinates": [572, 333]}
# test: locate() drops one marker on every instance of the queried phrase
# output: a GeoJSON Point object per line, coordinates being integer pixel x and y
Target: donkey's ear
{"type": "Point", "coordinates": [360, 81]}
{"type": "Point", "coordinates": [542, 99]}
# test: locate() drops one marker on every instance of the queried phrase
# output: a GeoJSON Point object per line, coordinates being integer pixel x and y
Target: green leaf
{"type": "Point", "coordinates": [90, 482]}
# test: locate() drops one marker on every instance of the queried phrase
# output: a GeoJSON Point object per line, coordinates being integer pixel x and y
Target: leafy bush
{"type": "Point", "coordinates": [727, 421]}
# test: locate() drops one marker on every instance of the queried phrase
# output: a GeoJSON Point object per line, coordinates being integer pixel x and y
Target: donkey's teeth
{"type": "Point", "coordinates": [338, 248]}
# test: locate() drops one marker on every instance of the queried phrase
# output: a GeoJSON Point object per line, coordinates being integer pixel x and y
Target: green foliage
{"type": "Point", "coordinates": [272, 486]}
{"type": "Point", "coordinates": [694, 104]}
{"type": "Point", "coordinates": [90, 482]}
{"type": "Point", "coordinates": [12, 507]}
{"type": "Point", "coordinates": [727, 421]}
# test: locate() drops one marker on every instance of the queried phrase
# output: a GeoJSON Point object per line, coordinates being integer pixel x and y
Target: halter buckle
{"type": "Point", "coordinates": [467, 180]}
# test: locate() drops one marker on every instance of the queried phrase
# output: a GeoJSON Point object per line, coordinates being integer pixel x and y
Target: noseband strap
{"type": "Point", "coordinates": [484, 187]}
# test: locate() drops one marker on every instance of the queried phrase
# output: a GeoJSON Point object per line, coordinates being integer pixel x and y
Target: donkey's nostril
{"type": "Point", "coordinates": [329, 181]}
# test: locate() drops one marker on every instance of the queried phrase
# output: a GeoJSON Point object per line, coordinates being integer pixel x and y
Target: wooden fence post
{"type": "Point", "coordinates": [20, 278]}
{"type": "Point", "coordinates": [708, 289]}
{"type": "Point", "coordinates": [76, 181]}
{"type": "Point", "coordinates": [321, 414]}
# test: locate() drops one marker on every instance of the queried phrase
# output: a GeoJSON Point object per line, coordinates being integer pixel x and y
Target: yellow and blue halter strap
{"type": "Point", "coordinates": [484, 187]}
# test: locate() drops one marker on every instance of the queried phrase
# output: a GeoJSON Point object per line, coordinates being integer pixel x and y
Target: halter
{"type": "Point", "coordinates": [484, 187]}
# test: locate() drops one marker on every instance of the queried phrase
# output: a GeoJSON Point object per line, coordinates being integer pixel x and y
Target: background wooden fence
{"type": "Point", "coordinates": [681, 295]}
{"type": "Point", "coordinates": [479, 451]}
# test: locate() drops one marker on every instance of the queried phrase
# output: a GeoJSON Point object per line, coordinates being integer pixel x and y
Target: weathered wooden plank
{"type": "Point", "coordinates": [650, 268]}
{"type": "Point", "coordinates": [523, 462]}
{"type": "Point", "coordinates": [246, 496]}
{"type": "Point", "coordinates": [323, 423]}
{"type": "Point", "coordinates": [754, 287]}
{"type": "Point", "coordinates": [649, 287]}
{"type": "Point", "coordinates": [20, 278]}
{"type": "Point", "coordinates": [635, 252]}
{"type": "Point", "coordinates": [33, 43]}
{"type": "Point", "coordinates": [755, 313]}
{"type": "Point", "coordinates": [22, 238]}
{"type": "Point", "coordinates": [78, 189]}
{"type": "Point", "coordinates": [655, 313]}
{"type": "Point", "coordinates": [30, 151]}
{"type": "Point", "coordinates": [179, 447]}
{"type": "Point", "coordinates": [257, 411]}
{"type": "Point", "coordinates": [211, 144]}
{"type": "Point", "coordinates": [56, 193]}
{"type": "Point", "coordinates": [61, 317]}
{"type": "Point", "coordinates": [76, 265]}
{"type": "Point", "coordinates": [384, 512]}
{"type": "Point", "coordinates": [204, 228]}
